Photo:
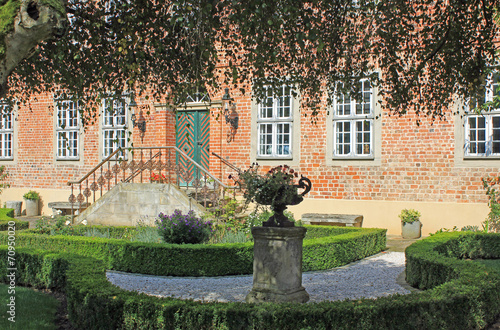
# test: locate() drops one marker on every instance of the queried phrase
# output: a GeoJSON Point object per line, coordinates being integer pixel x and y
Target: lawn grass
{"type": "Point", "coordinates": [33, 310]}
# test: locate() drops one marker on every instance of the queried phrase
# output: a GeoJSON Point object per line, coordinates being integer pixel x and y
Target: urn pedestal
{"type": "Point", "coordinates": [277, 265]}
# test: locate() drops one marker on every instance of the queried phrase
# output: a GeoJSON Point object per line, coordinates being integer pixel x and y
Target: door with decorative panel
{"type": "Point", "coordinates": [193, 137]}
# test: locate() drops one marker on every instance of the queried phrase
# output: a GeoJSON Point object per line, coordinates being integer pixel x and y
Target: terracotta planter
{"type": "Point", "coordinates": [411, 230]}
{"type": "Point", "coordinates": [32, 207]}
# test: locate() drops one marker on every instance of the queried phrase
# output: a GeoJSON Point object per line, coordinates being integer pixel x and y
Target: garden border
{"type": "Point", "coordinates": [330, 247]}
{"type": "Point", "coordinates": [6, 216]}
{"type": "Point", "coordinates": [469, 296]}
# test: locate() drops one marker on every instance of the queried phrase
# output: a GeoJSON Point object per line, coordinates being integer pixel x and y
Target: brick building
{"type": "Point", "coordinates": [360, 160]}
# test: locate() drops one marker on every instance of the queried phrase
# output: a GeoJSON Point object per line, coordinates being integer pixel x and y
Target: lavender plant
{"type": "Point", "coordinates": [178, 228]}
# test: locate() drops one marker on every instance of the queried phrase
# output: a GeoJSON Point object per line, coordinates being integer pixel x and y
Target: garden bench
{"type": "Point", "coordinates": [65, 207]}
{"type": "Point", "coordinates": [326, 219]}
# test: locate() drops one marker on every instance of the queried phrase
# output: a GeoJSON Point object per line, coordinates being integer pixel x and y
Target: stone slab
{"type": "Point", "coordinates": [328, 219]}
{"type": "Point", "coordinates": [65, 207]}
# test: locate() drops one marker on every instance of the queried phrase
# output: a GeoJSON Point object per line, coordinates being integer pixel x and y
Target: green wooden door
{"type": "Point", "coordinates": [193, 137]}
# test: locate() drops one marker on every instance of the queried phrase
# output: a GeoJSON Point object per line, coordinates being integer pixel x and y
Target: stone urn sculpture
{"type": "Point", "coordinates": [277, 265]}
{"type": "Point", "coordinates": [278, 219]}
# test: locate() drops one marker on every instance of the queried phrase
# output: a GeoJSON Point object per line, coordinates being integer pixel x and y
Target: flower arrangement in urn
{"type": "Point", "coordinates": [275, 188]}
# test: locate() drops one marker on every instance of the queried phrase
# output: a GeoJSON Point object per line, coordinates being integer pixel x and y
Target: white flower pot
{"type": "Point", "coordinates": [411, 230]}
{"type": "Point", "coordinates": [31, 207]}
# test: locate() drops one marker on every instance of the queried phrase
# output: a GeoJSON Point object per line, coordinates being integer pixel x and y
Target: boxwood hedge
{"type": "Point", "coordinates": [328, 248]}
{"type": "Point", "coordinates": [6, 216]}
{"type": "Point", "coordinates": [467, 298]}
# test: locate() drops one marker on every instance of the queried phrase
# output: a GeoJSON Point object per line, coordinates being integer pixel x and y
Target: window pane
{"type": "Point", "coordinates": [285, 103]}
{"type": "Point", "coordinates": [283, 137]}
{"type": "Point", "coordinates": [266, 107]}
{"type": "Point", "coordinates": [477, 135]}
{"type": "Point", "coordinates": [363, 107]}
{"type": "Point", "coordinates": [343, 105]}
{"type": "Point", "coordinates": [115, 121]}
{"type": "Point", "coordinates": [6, 132]}
{"type": "Point", "coordinates": [67, 127]}
{"type": "Point", "coordinates": [343, 138]}
{"type": "Point", "coordinates": [363, 137]}
{"type": "Point", "coordinates": [275, 124]}
{"type": "Point", "coordinates": [265, 139]}
{"type": "Point", "coordinates": [495, 143]}
{"type": "Point", "coordinates": [61, 144]}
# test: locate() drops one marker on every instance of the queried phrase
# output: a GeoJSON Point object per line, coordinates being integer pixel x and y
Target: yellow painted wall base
{"type": "Point", "coordinates": [46, 196]}
{"type": "Point", "coordinates": [384, 214]}
{"type": "Point", "coordinates": [376, 214]}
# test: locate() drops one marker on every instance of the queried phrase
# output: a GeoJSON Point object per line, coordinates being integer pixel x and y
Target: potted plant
{"type": "Point", "coordinates": [276, 188]}
{"type": "Point", "coordinates": [410, 223]}
{"type": "Point", "coordinates": [32, 198]}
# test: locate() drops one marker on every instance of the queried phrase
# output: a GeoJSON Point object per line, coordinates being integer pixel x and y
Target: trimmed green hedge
{"type": "Point", "coordinates": [7, 215]}
{"type": "Point", "coordinates": [469, 300]}
{"type": "Point", "coordinates": [348, 244]}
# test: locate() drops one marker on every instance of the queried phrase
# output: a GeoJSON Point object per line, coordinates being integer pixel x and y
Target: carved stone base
{"type": "Point", "coordinates": [259, 296]}
{"type": "Point", "coordinates": [277, 265]}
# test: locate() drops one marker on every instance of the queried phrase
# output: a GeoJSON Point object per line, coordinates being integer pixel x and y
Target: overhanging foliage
{"type": "Point", "coordinates": [421, 53]}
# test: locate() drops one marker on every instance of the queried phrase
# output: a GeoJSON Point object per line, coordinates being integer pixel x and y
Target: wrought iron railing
{"type": "Point", "coordinates": [148, 164]}
{"type": "Point", "coordinates": [228, 164]}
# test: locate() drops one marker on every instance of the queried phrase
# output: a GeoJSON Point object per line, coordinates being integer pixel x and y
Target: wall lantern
{"type": "Point", "coordinates": [230, 115]}
{"type": "Point", "coordinates": [140, 123]}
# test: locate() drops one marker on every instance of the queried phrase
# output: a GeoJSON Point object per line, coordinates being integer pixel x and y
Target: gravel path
{"type": "Point", "coordinates": [368, 278]}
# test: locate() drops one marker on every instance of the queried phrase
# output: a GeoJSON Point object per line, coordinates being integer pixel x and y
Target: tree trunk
{"type": "Point", "coordinates": [34, 21]}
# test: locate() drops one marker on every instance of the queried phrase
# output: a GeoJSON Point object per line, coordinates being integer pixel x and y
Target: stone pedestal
{"type": "Point", "coordinates": [277, 265]}
{"type": "Point", "coordinates": [16, 205]}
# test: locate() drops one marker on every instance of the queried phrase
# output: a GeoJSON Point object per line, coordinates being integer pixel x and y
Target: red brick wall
{"type": "Point", "coordinates": [417, 162]}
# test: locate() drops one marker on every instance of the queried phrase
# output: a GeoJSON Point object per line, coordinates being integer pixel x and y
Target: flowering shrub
{"type": "Point", "coordinates": [158, 178]}
{"type": "Point", "coordinates": [183, 229]}
{"type": "Point", "coordinates": [58, 225]}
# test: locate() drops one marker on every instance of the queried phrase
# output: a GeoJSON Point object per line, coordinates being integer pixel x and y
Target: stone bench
{"type": "Point", "coordinates": [65, 207]}
{"type": "Point", "coordinates": [343, 220]}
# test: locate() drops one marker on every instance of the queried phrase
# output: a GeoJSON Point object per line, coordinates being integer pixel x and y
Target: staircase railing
{"type": "Point", "coordinates": [228, 164]}
{"type": "Point", "coordinates": [148, 164]}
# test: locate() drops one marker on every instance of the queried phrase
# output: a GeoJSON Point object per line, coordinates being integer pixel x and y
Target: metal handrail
{"type": "Point", "coordinates": [167, 147]}
{"type": "Point", "coordinates": [95, 168]}
{"type": "Point", "coordinates": [204, 170]}
{"type": "Point", "coordinates": [227, 163]}
{"type": "Point", "coordinates": [139, 171]}
{"type": "Point", "coordinates": [89, 186]}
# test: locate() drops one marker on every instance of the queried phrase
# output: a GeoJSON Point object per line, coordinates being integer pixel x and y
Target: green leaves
{"type": "Point", "coordinates": [426, 51]}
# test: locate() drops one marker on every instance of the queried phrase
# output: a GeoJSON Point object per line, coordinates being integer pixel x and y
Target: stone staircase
{"type": "Point", "coordinates": [126, 203]}
{"type": "Point", "coordinates": [139, 183]}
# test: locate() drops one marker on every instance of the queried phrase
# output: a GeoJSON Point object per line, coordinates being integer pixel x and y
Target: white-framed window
{"type": "Point", "coordinates": [275, 125]}
{"type": "Point", "coordinates": [6, 132]}
{"type": "Point", "coordinates": [482, 131]}
{"type": "Point", "coordinates": [114, 125]}
{"type": "Point", "coordinates": [68, 130]}
{"type": "Point", "coordinates": [353, 123]}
